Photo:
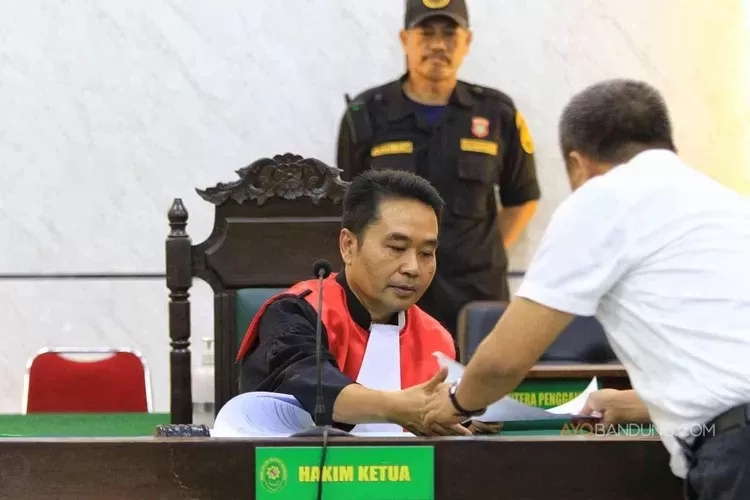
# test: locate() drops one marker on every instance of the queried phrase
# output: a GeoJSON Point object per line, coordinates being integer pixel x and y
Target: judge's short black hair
{"type": "Point", "coordinates": [613, 120]}
{"type": "Point", "coordinates": [367, 190]}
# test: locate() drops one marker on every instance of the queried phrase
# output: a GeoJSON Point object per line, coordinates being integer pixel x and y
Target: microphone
{"type": "Point", "coordinates": [321, 270]}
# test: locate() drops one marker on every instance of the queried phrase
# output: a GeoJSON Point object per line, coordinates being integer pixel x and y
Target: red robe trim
{"type": "Point", "coordinates": [420, 337]}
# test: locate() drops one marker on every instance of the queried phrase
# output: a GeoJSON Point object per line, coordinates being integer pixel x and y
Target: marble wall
{"type": "Point", "coordinates": [110, 109]}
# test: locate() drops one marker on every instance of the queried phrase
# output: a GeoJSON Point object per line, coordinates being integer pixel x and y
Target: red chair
{"type": "Point", "coordinates": [119, 382]}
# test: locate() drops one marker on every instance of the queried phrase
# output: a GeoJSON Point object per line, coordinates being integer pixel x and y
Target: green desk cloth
{"type": "Point", "coordinates": [143, 424]}
{"type": "Point", "coordinates": [81, 425]}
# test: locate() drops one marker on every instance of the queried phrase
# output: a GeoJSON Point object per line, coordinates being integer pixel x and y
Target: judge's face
{"type": "Point", "coordinates": [393, 262]}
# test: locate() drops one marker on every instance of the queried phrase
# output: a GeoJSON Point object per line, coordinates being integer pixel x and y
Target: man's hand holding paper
{"type": "Point", "coordinates": [616, 407]}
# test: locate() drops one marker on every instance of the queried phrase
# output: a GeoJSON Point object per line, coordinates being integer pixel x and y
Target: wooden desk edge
{"type": "Point", "coordinates": [542, 371]}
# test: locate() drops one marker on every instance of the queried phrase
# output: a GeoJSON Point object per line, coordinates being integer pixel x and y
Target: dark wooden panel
{"type": "Point", "coordinates": [559, 468]}
{"type": "Point", "coordinates": [202, 468]}
{"type": "Point", "coordinates": [273, 252]}
{"type": "Point", "coordinates": [577, 371]}
{"type": "Point", "coordinates": [611, 376]}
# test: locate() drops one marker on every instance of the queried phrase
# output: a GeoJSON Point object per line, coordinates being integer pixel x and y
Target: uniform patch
{"type": "Point", "coordinates": [527, 143]}
{"type": "Point", "coordinates": [480, 127]}
{"type": "Point", "coordinates": [478, 146]}
{"type": "Point", "coordinates": [435, 4]}
{"type": "Point", "coordinates": [392, 148]}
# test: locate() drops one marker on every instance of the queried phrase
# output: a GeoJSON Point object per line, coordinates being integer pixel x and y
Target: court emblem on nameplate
{"type": "Point", "coordinates": [273, 475]}
{"type": "Point", "coordinates": [480, 127]}
{"type": "Point", "coordinates": [435, 4]}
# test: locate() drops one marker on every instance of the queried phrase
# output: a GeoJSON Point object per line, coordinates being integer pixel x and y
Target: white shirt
{"type": "Point", "coordinates": [660, 254]}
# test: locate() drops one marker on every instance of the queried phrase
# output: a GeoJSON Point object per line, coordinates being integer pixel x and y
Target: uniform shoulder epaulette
{"type": "Point", "coordinates": [493, 94]}
{"type": "Point", "coordinates": [374, 94]}
{"type": "Point", "coordinates": [360, 112]}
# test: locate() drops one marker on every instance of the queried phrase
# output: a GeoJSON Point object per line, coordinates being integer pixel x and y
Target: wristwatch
{"type": "Point", "coordinates": [459, 409]}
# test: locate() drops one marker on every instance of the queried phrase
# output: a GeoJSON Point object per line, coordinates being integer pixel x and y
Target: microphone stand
{"type": "Point", "coordinates": [321, 269]}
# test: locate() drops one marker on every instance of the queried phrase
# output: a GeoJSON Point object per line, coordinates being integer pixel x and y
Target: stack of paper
{"type": "Point", "coordinates": [261, 414]}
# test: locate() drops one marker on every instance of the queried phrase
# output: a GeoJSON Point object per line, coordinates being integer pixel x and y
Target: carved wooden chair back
{"type": "Point", "coordinates": [269, 227]}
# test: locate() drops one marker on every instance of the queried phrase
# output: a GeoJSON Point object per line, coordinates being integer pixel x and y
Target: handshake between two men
{"type": "Point", "coordinates": [411, 404]}
{"type": "Point", "coordinates": [406, 408]}
{"type": "Point", "coordinates": [439, 415]}
{"type": "Point", "coordinates": [427, 410]}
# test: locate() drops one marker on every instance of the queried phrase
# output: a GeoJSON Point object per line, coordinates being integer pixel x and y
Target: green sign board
{"type": "Point", "coordinates": [548, 393]}
{"type": "Point", "coordinates": [361, 472]}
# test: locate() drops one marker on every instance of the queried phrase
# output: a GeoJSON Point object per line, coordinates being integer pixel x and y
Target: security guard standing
{"type": "Point", "coordinates": [465, 139]}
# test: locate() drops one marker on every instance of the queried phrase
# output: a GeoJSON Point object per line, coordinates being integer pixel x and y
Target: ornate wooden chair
{"type": "Point", "coordinates": [269, 227]}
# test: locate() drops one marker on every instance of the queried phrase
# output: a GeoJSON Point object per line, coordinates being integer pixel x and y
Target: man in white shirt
{"type": "Point", "coordinates": [660, 254]}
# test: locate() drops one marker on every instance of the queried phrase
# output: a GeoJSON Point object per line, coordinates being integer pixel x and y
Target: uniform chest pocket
{"type": "Point", "coordinates": [397, 155]}
{"type": "Point", "coordinates": [474, 189]}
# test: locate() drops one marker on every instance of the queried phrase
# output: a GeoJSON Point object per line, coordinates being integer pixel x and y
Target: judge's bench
{"type": "Point", "coordinates": [270, 225]}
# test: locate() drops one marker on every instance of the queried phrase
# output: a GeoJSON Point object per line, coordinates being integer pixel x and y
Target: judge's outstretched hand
{"type": "Point", "coordinates": [411, 404]}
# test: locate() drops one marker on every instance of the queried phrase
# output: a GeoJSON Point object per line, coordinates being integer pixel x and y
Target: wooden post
{"type": "Point", "coordinates": [179, 281]}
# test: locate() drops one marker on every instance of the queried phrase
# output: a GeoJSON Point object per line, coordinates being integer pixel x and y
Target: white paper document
{"type": "Point", "coordinates": [509, 410]}
{"type": "Point", "coordinates": [256, 414]}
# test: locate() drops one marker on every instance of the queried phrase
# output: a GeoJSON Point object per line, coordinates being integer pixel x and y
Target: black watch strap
{"type": "Point", "coordinates": [460, 409]}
